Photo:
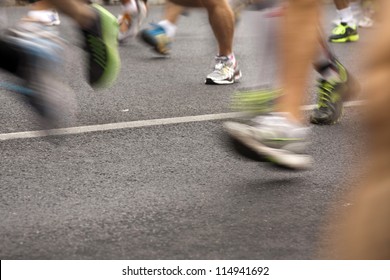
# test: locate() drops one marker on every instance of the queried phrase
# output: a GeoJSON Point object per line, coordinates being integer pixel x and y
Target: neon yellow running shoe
{"type": "Point", "coordinates": [255, 101]}
{"type": "Point", "coordinates": [344, 33]}
{"type": "Point", "coordinates": [101, 40]}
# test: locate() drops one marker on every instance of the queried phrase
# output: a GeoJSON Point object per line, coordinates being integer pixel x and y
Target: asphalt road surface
{"type": "Point", "coordinates": [173, 188]}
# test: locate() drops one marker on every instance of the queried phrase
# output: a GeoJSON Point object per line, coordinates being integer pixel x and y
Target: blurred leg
{"type": "Point", "coordinates": [172, 12]}
{"type": "Point", "coordinates": [77, 10]}
{"type": "Point", "coordinates": [221, 20]}
{"type": "Point", "coordinates": [299, 47]}
{"type": "Point", "coordinates": [364, 230]}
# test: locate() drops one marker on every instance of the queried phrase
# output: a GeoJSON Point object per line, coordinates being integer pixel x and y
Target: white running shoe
{"type": "Point", "coordinates": [56, 18]}
{"type": "Point", "coordinates": [276, 138]}
{"type": "Point", "coordinates": [225, 72]}
{"type": "Point", "coordinates": [46, 17]}
{"type": "Point", "coordinates": [366, 22]}
{"type": "Point", "coordinates": [132, 21]}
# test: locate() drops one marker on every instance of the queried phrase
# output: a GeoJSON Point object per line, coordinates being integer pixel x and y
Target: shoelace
{"type": "Point", "coordinates": [324, 94]}
{"type": "Point", "coordinates": [220, 62]}
{"type": "Point", "coordinates": [339, 29]}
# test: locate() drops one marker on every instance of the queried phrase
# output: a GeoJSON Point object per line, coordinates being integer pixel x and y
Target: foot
{"type": "Point", "coordinates": [101, 40]}
{"type": "Point", "coordinates": [225, 72]}
{"type": "Point", "coordinates": [343, 33]}
{"type": "Point", "coordinates": [47, 17]}
{"type": "Point", "coordinates": [129, 24]}
{"type": "Point", "coordinates": [41, 51]}
{"type": "Point", "coordinates": [275, 138]}
{"type": "Point", "coordinates": [366, 22]}
{"type": "Point", "coordinates": [157, 38]}
{"type": "Point", "coordinates": [331, 95]}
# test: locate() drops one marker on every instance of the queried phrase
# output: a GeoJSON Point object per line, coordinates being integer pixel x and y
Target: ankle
{"type": "Point", "coordinates": [169, 27]}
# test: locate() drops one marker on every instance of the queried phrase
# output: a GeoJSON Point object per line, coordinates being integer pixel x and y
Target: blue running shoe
{"type": "Point", "coordinates": [157, 38]}
{"type": "Point", "coordinates": [41, 67]}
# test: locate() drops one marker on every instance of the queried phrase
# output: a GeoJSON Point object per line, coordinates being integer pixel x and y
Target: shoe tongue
{"type": "Point", "coordinates": [281, 123]}
{"type": "Point", "coordinates": [221, 58]}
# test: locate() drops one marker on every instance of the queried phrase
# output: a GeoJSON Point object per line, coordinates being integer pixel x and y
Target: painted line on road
{"type": "Point", "coordinates": [137, 124]}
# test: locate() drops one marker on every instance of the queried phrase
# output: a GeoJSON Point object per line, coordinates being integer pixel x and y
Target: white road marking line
{"type": "Point", "coordinates": [137, 124]}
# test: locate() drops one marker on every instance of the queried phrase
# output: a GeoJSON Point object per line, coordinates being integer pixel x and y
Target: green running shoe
{"type": "Point", "coordinates": [331, 95]}
{"type": "Point", "coordinates": [330, 105]}
{"type": "Point", "coordinates": [254, 101]}
{"type": "Point", "coordinates": [101, 40]}
{"type": "Point", "coordinates": [343, 33]}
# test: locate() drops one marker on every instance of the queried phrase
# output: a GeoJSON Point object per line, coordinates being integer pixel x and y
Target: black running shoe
{"type": "Point", "coordinates": [102, 46]}
{"type": "Point", "coordinates": [330, 105]}
{"type": "Point", "coordinates": [331, 96]}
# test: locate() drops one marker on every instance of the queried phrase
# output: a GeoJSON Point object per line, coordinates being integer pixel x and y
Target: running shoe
{"type": "Point", "coordinates": [41, 51]}
{"type": "Point", "coordinates": [129, 24]}
{"type": "Point", "coordinates": [47, 17]}
{"type": "Point", "coordinates": [225, 72]}
{"type": "Point", "coordinates": [255, 101]}
{"type": "Point", "coordinates": [101, 40]}
{"type": "Point", "coordinates": [157, 38]}
{"type": "Point", "coordinates": [366, 22]}
{"type": "Point", "coordinates": [329, 105]}
{"type": "Point", "coordinates": [343, 33]}
{"type": "Point", "coordinates": [275, 138]}
{"type": "Point", "coordinates": [331, 95]}
{"type": "Point", "coordinates": [56, 18]}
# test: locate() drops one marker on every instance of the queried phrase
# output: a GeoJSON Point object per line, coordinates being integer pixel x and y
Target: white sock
{"type": "Point", "coordinates": [355, 6]}
{"type": "Point", "coordinates": [169, 28]}
{"type": "Point", "coordinates": [346, 15]}
{"type": "Point", "coordinates": [41, 15]}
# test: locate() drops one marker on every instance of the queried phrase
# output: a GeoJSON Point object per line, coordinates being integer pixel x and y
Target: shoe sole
{"type": "Point", "coordinates": [331, 122]}
{"type": "Point", "coordinates": [236, 78]}
{"type": "Point", "coordinates": [110, 29]}
{"type": "Point", "coordinates": [348, 39]}
{"type": "Point", "coordinates": [277, 156]}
